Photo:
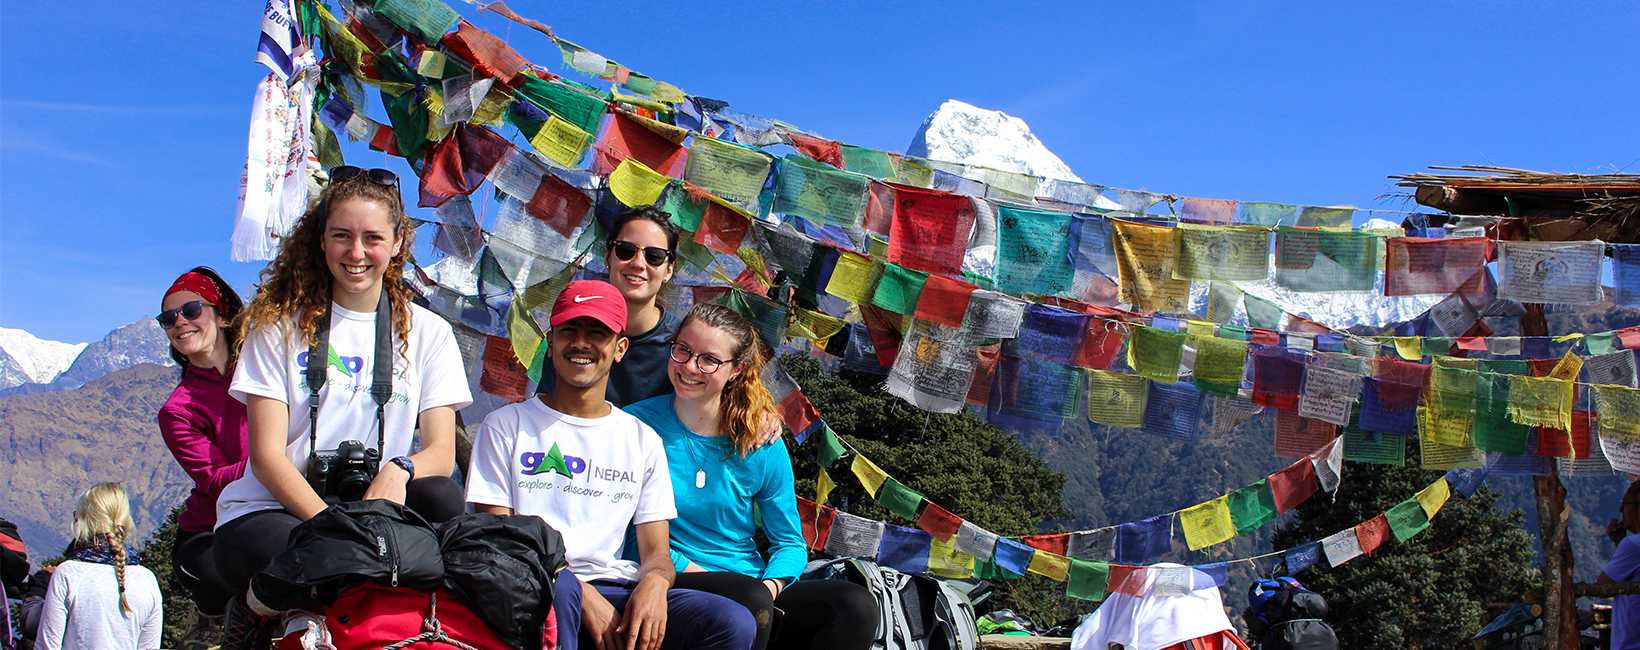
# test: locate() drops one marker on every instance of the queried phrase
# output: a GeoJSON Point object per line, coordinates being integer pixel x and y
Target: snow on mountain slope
{"type": "Point", "coordinates": [1338, 309]}
{"type": "Point", "coordinates": [39, 360]}
{"type": "Point", "coordinates": [964, 133]}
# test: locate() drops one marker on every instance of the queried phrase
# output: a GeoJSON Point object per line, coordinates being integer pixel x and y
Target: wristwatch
{"type": "Point", "coordinates": [405, 464]}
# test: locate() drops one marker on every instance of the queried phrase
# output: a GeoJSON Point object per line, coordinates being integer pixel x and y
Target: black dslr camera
{"type": "Point", "coordinates": [344, 472]}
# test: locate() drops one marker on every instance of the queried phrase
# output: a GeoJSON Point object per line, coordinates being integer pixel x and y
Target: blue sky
{"type": "Point", "coordinates": [122, 126]}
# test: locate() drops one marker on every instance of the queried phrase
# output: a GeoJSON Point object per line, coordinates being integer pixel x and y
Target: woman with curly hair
{"type": "Point", "coordinates": [724, 476]}
{"type": "Point", "coordinates": [333, 306]}
{"type": "Point", "coordinates": [205, 429]}
{"type": "Point", "coordinates": [101, 597]}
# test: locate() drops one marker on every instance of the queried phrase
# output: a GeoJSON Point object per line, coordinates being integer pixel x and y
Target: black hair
{"type": "Point", "coordinates": [228, 310]}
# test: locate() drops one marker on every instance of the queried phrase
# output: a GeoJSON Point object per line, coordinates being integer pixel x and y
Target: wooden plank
{"type": "Point", "coordinates": [1015, 642]}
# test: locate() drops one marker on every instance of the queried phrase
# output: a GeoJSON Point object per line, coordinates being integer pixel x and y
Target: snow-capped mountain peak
{"type": "Point", "coordinates": [38, 360]}
{"type": "Point", "coordinates": [963, 133]}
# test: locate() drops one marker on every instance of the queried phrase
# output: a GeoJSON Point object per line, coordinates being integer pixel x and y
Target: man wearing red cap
{"type": "Point", "coordinates": [589, 470]}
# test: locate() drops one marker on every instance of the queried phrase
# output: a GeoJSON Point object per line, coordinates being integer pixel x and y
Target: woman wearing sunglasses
{"type": "Point", "coordinates": [338, 277]}
{"type": "Point", "coordinates": [205, 429]}
{"type": "Point", "coordinates": [640, 256]}
{"type": "Point", "coordinates": [713, 431]}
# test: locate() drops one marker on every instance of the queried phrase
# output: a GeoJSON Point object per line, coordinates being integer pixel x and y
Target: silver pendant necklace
{"type": "Point", "coordinates": [700, 472]}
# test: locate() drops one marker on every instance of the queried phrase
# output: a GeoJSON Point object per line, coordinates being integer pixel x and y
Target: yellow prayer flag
{"type": "Point", "coordinates": [492, 110]}
{"type": "Point", "coordinates": [1434, 496]}
{"type": "Point", "coordinates": [945, 561]}
{"type": "Point", "coordinates": [1568, 337]}
{"type": "Point", "coordinates": [636, 184]}
{"type": "Point", "coordinates": [524, 332]}
{"type": "Point", "coordinates": [1568, 367]}
{"type": "Point", "coordinates": [869, 473]}
{"type": "Point", "coordinates": [1207, 524]}
{"type": "Point", "coordinates": [1201, 328]}
{"type": "Point", "coordinates": [561, 141]}
{"type": "Point", "coordinates": [431, 64]}
{"type": "Point", "coordinates": [823, 487]}
{"type": "Point", "coordinates": [813, 325]}
{"type": "Point", "coordinates": [851, 279]}
{"type": "Point", "coordinates": [1410, 348]}
{"type": "Point", "coordinates": [1048, 564]}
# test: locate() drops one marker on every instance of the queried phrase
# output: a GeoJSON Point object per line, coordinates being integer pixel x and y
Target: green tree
{"type": "Point", "coordinates": [179, 604]}
{"type": "Point", "coordinates": [979, 472]}
{"type": "Point", "coordinates": [1429, 591]}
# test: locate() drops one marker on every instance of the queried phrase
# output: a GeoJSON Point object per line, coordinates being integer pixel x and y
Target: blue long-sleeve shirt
{"type": "Point", "coordinates": [715, 524]}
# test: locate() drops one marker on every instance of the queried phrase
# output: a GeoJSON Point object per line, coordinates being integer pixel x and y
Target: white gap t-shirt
{"type": "Point", "coordinates": [587, 478]}
{"type": "Point", "coordinates": [273, 364]}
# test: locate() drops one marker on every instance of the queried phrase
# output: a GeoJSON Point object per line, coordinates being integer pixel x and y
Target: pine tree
{"type": "Point", "coordinates": [979, 472]}
{"type": "Point", "coordinates": [1429, 591]}
{"type": "Point", "coordinates": [178, 603]}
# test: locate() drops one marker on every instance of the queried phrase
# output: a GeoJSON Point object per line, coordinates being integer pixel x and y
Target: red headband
{"type": "Point", "coordinates": [200, 284]}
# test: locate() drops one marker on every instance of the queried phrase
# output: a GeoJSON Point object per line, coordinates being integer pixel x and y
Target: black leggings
{"type": "Point", "coordinates": [818, 614]}
{"type": "Point", "coordinates": [195, 567]}
{"type": "Point", "coordinates": [245, 545]}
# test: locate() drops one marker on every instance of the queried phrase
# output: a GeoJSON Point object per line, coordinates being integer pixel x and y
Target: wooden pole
{"type": "Point", "coordinates": [1560, 597]}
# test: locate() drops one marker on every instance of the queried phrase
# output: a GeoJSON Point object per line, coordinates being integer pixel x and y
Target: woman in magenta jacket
{"type": "Point", "coordinates": [202, 424]}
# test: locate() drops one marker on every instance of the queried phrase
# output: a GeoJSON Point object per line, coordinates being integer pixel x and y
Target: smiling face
{"type": "Point", "coordinates": [359, 242]}
{"type": "Point", "coordinates": [197, 338]}
{"type": "Point", "coordinates": [637, 281]}
{"type": "Point", "coordinates": [702, 339]}
{"type": "Point", "coordinates": [582, 350]}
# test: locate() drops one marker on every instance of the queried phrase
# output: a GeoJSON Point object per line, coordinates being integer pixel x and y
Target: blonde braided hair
{"type": "Point", "coordinates": [103, 516]}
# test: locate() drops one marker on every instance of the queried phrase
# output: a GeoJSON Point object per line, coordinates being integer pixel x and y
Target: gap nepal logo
{"type": "Point", "coordinates": [348, 365]}
{"type": "Point", "coordinates": [536, 463]}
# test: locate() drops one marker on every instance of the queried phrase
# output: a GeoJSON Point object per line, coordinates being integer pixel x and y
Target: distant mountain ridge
{"type": "Point", "coordinates": [137, 343]}
{"type": "Point", "coordinates": [25, 358]}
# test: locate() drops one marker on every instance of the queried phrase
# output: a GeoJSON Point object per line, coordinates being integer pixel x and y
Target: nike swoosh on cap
{"type": "Point", "coordinates": [581, 298]}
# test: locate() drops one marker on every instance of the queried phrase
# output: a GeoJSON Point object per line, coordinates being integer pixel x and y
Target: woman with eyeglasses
{"type": "Point", "coordinates": [724, 477]}
{"type": "Point", "coordinates": [331, 299]}
{"type": "Point", "coordinates": [205, 429]}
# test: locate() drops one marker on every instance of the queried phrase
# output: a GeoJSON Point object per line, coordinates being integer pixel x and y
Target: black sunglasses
{"type": "Point", "coordinates": [652, 255]}
{"type": "Point", "coordinates": [345, 173]}
{"type": "Point", "coordinates": [188, 311]}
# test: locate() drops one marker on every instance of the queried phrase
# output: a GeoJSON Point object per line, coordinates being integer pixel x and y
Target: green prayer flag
{"type": "Point", "coordinates": [1599, 343]}
{"type": "Point", "coordinates": [686, 213]}
{"type": "Point", "coordinates": [870, 162]}
{"type": "Point", "coordinates": [409, 120]}
{"type": "Point", "coordinates": [1219, 365]}
{"type": "Point", "coordinates": [899, 289]}
{"type": "Point", "coordinates": [1252, 506]}
{"type": "Point", "coordinates": [1155, 354]}
{"type": "Point", "coordinates": [427, 19]}
{"type": "Point", "coordinates": [1262, 313]}
{"type": "Point", "coordinates": [827, 448]}
{"type": "Point", "coordinates": [573, 106]}
{"type": "Point", "coordinates": [1087, 579]}
{"type": "Point", "coordinates": [1407, 519]}
{"type": "Point", "coordinates": [1436, 346]}
{"type": "Point", "coordinates": [985, 569]}
{"type": "Point", "coordinates": [1388, 449]}
{"type": "Point", "coordinates": [899, 499]}
{"type": "Point", "coordinates": [1232, 332]}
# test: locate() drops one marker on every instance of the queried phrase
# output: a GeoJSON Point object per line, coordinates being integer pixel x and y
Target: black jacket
{"type": "Point", "coordinates": [503, 568]}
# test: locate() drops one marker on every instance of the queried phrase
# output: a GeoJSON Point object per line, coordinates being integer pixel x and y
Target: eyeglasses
{"type": "Point", "coordinates": [345, 173]}
{"type": "Point", "coordinates": [652, 255]}
{"type": "Point", "coordinates": [705, 363]}
{"type": "Point", "coordinates": [188, 311]}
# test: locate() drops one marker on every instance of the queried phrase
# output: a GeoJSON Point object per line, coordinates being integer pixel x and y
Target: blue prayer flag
{"type": "Point", "coordinates": [1216, 574]}
{"type": "Point", "coordinates": [1140, 542]}
{"type": "Point", "coordinates": [1171, 410]}
{"type": "Point", "coordinates": [1302, 557]}
{"type": "Point", "coordinates": [905, 549]}
{"type": "Point", "coordinates": [1466, 480]}
{"type": "Point", "coordinates": [1010, 554]}
{"type": "Point", "coordinates": [1377, 419]}
{"type": "Point", "coordinates": [1626, 273]}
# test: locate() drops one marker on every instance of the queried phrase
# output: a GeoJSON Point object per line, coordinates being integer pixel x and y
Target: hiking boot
{"type": "Point", "coordinates": [243, 629]}
{"type": "Point", "coordinates": [204, 632]}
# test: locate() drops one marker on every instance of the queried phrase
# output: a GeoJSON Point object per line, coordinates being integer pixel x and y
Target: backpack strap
{"type": "Point", "coordinates": [381, 374]}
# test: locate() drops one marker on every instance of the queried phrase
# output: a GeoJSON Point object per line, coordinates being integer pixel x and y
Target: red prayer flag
{"type": "Point", "coordinates": [826, 151]}
{"type": "Point", "coordinates": [1101, 341]}
{"type": "Point", "coordinates": [816, 522]}
{"type": "Point", "coordinates": [459, 163]}
{"type": "Point", "coordinates": [930, 229]}
{"type": "Point", "coordinates": [979, 392]}
{"type": "Point", "coordinates": [1302, 325]}
{"type": "Point", "coordinates": [1372, 533]}
{"type": "Point", "coordinates": [384, 141]}
{"type": "Point", "coordinates": [879, 213]}
{"type": "Point", "coordinates": [625, 137]}
{"type": "Point", "coordinates": [1473, 343]}
{"type": "Point", "coordinates": [489, 56]}
{"type": "Point", "coordinates": [1051, 543]}
{"type": "Point", "coordinates": [559, 204]}
{"type": "Point", "coordinates": [1291, 486]}
{"type": "Point", "coordinates": [798, 414]}
{"type": "Point", "coordinates": [1554, 442]}
{"type": "Point", "coordinates": [1297, 436]}
{"type": "Point", "coordinates": [944, 301]}
{"type": "Point", "coordinates": [1128, 580]}
{"type": "Point", "coordinates": [939, 522]}
{"type": "Point", "coordinates": [504, 376]}
{"type": "Point", "coordinates": [1630, 337]}
{"type": "Point", "coordinates": [1264, 336]}
{"type": "Point", "coordinates": [722, 229]}
{"type": "Point", "coordinates": [708, 294]}
{"type": "Point", "coordinates": [885, 335]}
{"type": "Point", "coordinates": [1423, 265]}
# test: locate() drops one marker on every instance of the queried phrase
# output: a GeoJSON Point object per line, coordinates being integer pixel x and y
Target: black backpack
{"type": "Point", "coordinates": [503, 568]}
{"type": "Point", "coordinates": [345, 545]}
{"type": "Point", "coordinates": [1283, 615]}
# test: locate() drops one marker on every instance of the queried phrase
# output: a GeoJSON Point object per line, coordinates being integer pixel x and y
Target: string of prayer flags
{"type": "Point", "coordinates": [1049, 565]}
{"type": "Point", "coordinates": [852, 536]}
{"type": "Point", "coordinates": [1221, 252]}
{"type": "Point", "coordinates": [904, 549]}
{"type": "Point", "coordinates": [1155, 353]}
{"type": "Point", "coordinates": [1144, 264]}
{"type": "Point", "coordinates": [1172, 410]}
{"type": "Point", "coordinates": [1145, 540]}
{"type": "Point", "coordinates": [1207, 524]}
{"type": "Point", "coordinates": [1315, 261]}
{"type": "Point", "coordinates": [1418, 265]}
{"type": "Point", "coordinates": [1566, 273]}
{"type": "Point", "coordinates": [1031, 248]}
{"type": "Point", "coordinates": [1116, 399]}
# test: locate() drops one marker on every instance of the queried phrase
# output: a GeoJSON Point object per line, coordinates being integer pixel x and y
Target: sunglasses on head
{"type": "Point", "coordinates": [345, 173]}
{"type": "Point", "coordinates": [188, 311]}
{"type": "Point", "coordinates": [652, 255]}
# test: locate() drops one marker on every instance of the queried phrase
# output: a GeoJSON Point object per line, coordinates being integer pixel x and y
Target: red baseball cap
{"type": "Point", "coordinates": [595, 298]}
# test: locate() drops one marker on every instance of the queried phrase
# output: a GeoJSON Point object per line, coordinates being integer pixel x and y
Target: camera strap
{"type": "Point", "coordinates": [381, 377]}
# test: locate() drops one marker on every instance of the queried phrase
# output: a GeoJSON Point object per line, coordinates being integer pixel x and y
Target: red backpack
{"type": "Point", "coordinates": [371, 616]}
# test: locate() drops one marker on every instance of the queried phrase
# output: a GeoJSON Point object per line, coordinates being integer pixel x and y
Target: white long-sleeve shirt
{"type": "Point", "coordinates": [82, 609]}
